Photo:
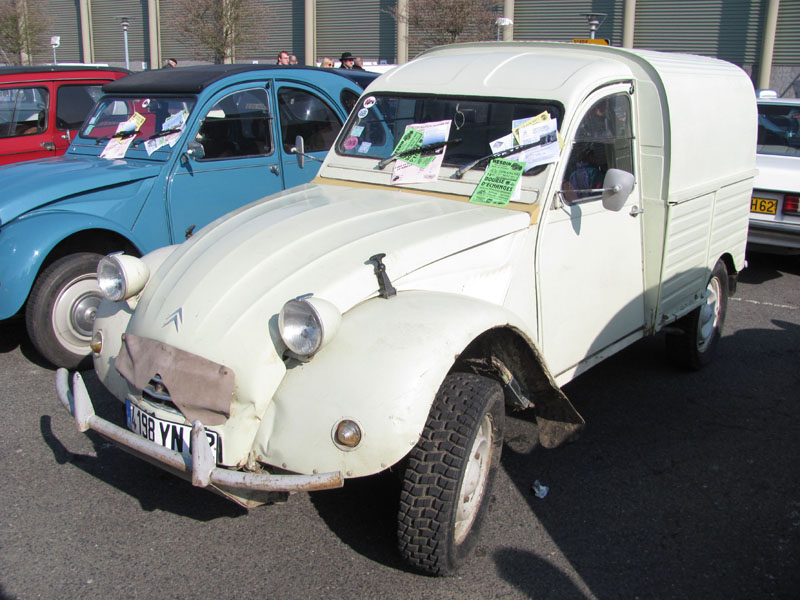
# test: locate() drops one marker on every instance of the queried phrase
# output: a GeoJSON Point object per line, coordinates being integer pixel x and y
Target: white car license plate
{"type": "Point", "coordinates": [174, 436]}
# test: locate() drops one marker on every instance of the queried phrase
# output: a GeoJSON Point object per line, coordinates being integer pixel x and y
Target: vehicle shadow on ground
{"type": "Point", "coordinates": [153, 488]}
{"type": "Point", "coordinates": [13, 335]}
{"type": "Point", "coordinates": [678, 487]}
{"type": "Point", "coordinates": [765, 267]}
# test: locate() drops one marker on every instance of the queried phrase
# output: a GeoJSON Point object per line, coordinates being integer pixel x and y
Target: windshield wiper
{"type": "Point", "coordinates": [423, 148]}
{"type": "Point", "coordinates": [545, 139]}
{"type": "Point", "coordinates": [119, 134]}
{"type": "Point", "coordinates": [159, 134]}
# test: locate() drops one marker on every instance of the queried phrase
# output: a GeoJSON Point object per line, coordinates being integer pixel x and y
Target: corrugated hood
{"type": "Point", "coordinates": [29, 185]}
{"type": "Point", "coordinates": [237, 273]}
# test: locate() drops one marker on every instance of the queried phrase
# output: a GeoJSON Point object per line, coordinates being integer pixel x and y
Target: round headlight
{"type": "Point", "coordinates": [306, 324]}
{"type": "Point", "coordinates": [121, 276]}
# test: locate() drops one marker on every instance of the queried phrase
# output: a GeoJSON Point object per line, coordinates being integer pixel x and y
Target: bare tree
{"type": "Point", "coordinates": [220, 25]}
{"type": "Point", "coordinates": [437, 22]}
{"type": "Point", "coordinates": [23, 26]}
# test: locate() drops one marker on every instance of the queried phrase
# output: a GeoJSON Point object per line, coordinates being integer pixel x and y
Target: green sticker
{"type": "Point", "coordinates": [498, 182]}
{"type": "Point", "coordinates": [411, 140]}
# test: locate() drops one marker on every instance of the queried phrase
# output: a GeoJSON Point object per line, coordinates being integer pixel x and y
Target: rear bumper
{"type": "Point", "coordinates": [201, 469]}
{"type": "Point", "coordinates": [771, 236]}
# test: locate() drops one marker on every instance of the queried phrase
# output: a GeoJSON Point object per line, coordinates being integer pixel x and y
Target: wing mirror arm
{"type": "Point", "coordinates": [617, 187]}
{"type": "Point", "coordinates": [194, 149]}
{"type": "Point", "coordinates": [299, 149]}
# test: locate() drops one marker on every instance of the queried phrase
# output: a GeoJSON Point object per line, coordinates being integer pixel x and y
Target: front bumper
{"type": "Point", "coordinates": [201, 470]}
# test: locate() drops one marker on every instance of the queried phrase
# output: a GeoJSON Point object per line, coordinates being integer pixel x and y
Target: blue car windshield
{"type": "Point", "coordinates": [477, 124]}
{"type": "Point", "coordinates": [144, 119]}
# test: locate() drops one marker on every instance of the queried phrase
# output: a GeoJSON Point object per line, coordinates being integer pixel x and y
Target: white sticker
{"type": "Point", "coordinates": [363, 113]}
{"type": "Point", "coordinates": [369, 102]}
{"type": "Point", "coordinates": [356, 131]}
{"type": "Point", "coordinates": [145, 102]}
{"type": "Point", "coordinates": [364, 147]}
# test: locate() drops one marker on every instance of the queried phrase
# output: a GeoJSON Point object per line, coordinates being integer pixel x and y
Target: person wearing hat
{"type": "Point", "coordinates": [348, 60]}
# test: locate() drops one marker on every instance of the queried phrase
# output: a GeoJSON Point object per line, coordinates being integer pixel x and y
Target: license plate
{"type": "Point", "coordinates": [174, 436]}
{"type": "Point", "coordinates": [764, 206]}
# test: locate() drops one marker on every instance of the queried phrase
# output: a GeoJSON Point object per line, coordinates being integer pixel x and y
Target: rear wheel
{"type": "Point", "coordinates": [448, 479]}
{"type": "Point", "coordinates": [61, 309]}
{"type": "Point", "coordinates": [693, 347]}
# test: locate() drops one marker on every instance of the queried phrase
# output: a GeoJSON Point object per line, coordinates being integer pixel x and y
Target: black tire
{"type": "Point", "coordinates": [61, 310]}
{"type": "Point", "coordinates": [468, 410]}
{"type": "Point", "coordinates": [694, 346]}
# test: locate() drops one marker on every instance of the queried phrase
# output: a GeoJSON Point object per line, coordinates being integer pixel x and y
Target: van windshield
{"type": "Point", "coordinates": [140, 118]}
{"type": "Point", "coordinates": [476, 125]}
{"type": "Point", "coordinates": [779, 129]}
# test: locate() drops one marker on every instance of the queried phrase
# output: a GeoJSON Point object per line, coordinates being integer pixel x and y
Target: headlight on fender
{"type": "Point", "coordinates": [121, 276]}
{"type": "Point", "coordinates": [306, 324]}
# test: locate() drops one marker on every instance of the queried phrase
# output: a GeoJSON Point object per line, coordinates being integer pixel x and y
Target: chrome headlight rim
{"type": "Point", "coordinates": [306, 324]}
{"type": "Point", "coordinates": [120, 276]}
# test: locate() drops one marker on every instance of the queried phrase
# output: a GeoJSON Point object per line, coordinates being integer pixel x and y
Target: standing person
{"type": "Point", "coordinates": [283, 58]}
{"type": "Point", "coordinates": [327, 62]}
{"type": "Point", "coordinates": [171, 62]}
{"type": "Point", "coordinates": [292, 60]}
{"type": "Point", "coordinates": [358, 64]}
{"type": "Point", "coordinates": [347, 60]}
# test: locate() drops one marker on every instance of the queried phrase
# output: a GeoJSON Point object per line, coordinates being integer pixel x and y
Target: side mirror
{"type": "Point", "coordinates": [617, 186]}
{"type": "Point", "coordinates": [195, 150]}
{"type": "Point", "coordinates": [299, 149]}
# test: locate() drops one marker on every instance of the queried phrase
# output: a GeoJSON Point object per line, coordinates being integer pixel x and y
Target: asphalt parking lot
{"type": "Point", "coordinates": [684, 485]}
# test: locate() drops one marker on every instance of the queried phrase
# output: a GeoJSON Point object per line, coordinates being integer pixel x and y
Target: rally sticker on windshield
{"type": "Point", "coordinates": [499, 182]}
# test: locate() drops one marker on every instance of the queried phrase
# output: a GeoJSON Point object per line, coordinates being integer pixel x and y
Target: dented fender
{"type": "Point", "coordinates": [382, 370]}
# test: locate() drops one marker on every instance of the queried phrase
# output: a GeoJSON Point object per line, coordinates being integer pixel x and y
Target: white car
{"type": "Point", "coordinates": [774, 209]}
{"type": "Point", "coordinates": [493, 220]}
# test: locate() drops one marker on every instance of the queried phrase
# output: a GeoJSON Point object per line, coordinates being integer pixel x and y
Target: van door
{"type": "Point", "coordinates": [305, 112]}
{"type": "Point", "coordinates": [233, 161]}
{"type": "Point", "coordinates": [590, 259]}
{"type": "Point", "coordinates": [24, 122]}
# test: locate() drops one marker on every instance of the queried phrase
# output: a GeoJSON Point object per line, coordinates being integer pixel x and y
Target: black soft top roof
{"type": "Point", "coordinates": [57, 69]}
{"type": "Point", "coordinates": [193, 80]}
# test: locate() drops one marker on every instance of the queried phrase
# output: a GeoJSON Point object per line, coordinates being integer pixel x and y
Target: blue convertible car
{"type": "Point", "coordinates": [162, 154]}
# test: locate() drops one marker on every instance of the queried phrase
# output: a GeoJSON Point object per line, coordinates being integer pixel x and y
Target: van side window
{"type": "Point", "coordinates": [237, 126]}
{"type": "Point", "coordinates": [603, 141]}
{"type": "Point", "coordinates": [23, 111]}
{"type": "Point", "coordinates": [303, 113]}
{"type": "Point", "coordinates": [73, 103]}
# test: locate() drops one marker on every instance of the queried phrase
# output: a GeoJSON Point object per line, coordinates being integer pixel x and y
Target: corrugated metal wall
{"type": "Point", "coordinates": [727, 29]}
{"type": "Point", "coordinates": [65, 22]}
{"type": "Point", "coordinates": [363, 27]}
{"type": "Point", "coordinates": [174, 44]}
{"type": "Point", "coordinates": [107, 31]}
{"type": "Point", "coordinates": [278, 25]}
{"type": "Point", "coordinates": [787, 36]}
{"type": "Point", "coordinates": [562, 21]}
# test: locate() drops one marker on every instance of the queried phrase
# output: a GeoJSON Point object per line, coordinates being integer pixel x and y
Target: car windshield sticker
{"type": "Point", "coordinates": [369, 102]}
{"type": "Point", "coordinates": [363, 113]}
{"type": "Point", "coordinates": [356, 131]}
{"type": "Point", "coordinates": [526, 131]}
{"type": "Point", "coordinates": [117, 147]}
{"type": "Point", "coordinates": [499, 182]}
{"type": "Point", "coordinates": [176, 121]}
{"type": "Point", "coordinates": [364, 147]}
{"type": "Point", "coordinates": [415, 168]}
{"type": "Point", "coordinates": [351, 142]}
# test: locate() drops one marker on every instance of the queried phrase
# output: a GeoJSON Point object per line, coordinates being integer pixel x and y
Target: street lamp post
{"type": "Point", "coordinates": [55, 41]}
{"type": "Point", "coordinates": [125, 41]}
{"type": "Point", "coordinates": [594, 20]}
{"type": "Point", "coordinates": [502, 22]}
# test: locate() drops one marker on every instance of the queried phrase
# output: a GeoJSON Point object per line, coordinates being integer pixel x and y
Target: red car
{"type": "Point", "coordinates": [41, 108]}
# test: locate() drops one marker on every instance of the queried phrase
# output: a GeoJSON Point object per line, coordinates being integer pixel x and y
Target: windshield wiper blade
{"type": "Point", "coordinates": [423, 148]}
{"type": "Point", "coordinates": [545, 139]}
{"type": "Point", "coordinates": [125, 134]}
{"type": "Point", "coordinates": [159, 134]}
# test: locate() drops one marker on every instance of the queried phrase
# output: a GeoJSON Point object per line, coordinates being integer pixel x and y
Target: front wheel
{"type": "Point", "coordinates": [694, 345]}
{"type": "Point", "coordinates": [61, 309]}
{"type": "Point", "coordinates": [449, 474]}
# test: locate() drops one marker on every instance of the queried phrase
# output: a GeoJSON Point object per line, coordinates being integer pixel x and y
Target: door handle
{"type": "Point", "coordinates": [274, 169]}
{"type": "Point", "coordinates": [48, 145]}
{"type": "Point", "coordinates": [636, 211]}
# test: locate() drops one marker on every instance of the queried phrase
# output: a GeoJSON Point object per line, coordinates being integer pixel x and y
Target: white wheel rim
{"type": "Point", "coordinates": [476, 474]}
{"type": "Point", "coordinates": [74, 311]}
{"type": "Point", "coordinates": [709, 314]}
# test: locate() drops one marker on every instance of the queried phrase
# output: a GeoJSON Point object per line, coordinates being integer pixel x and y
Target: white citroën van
{"type": "Point", "coordinates": [493, 220]}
